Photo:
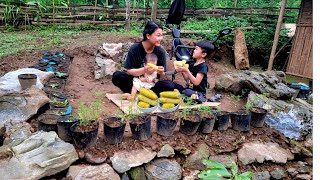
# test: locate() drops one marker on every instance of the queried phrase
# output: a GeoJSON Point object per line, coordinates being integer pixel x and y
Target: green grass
{"type": "Point", "coordinates": [296, 79]}
{"type": "Point", "coordinates": [44, 38]}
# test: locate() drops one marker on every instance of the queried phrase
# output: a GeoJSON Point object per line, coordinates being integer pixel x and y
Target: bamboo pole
{"type": "Point", "coordinates": [215, 7]}
{"type": "Point", "coordinates": [127, 15]}
{"type": "Point", "coordinates": [276, 35]}
{"type": "Point", "coordinates": [107, 4]}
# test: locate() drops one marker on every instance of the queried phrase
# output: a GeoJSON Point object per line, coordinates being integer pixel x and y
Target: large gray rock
{"type": "Point", "coordinates": [195, 160]}
{"type": "Point", "coordinates": [42, 154]}
{"type": "Point", "coordinates": [10, 81]}
{"type": "Point", "coordinates": [267, 82]}
{"type": "Point", "coordinates": [87, 172]}
{"type": "Point", "coordinates": [260, 152]}
{"type": "Point", "coordinates": [137, 173]}
{"type": "Point", "coordinates": [20, 106]}
{"type": "Point", "coordinates": [163, 169]}
{"type": "Point", "coordinates": [122, 161]}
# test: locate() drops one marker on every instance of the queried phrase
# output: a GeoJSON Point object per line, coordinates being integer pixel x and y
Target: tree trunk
{"type": "Point", "coordinates": [240, 50]}
{"type": "Point", "coordinates": [154, 10]}
{"type": "Point", "coordinates": [127, 15]}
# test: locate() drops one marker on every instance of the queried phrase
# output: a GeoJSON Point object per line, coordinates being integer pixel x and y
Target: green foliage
{"type": "Point", "coordinates": [216, 171]}
{"type": "Point", "coordinates": [89, 112]}
{"type": "Point", "coordinates": [59, 102]}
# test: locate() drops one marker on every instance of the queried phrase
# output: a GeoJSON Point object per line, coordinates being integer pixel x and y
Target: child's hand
{"type": "Point", "coordinates": [182, 69]}
{"type": "Point", "coordinates": [160, 70]}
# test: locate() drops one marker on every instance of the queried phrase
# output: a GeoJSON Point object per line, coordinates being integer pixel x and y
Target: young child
{"type": "Point", "coordinates": [196, 74]}
{"type": "Point", "coordinates": [148, 80]}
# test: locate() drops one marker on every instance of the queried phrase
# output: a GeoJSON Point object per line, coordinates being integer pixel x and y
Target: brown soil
{"type": "Point", "coordinates": [82, 87]}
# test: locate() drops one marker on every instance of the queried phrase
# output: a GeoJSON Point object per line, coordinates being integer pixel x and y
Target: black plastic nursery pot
{"type": "Point", "coordinates": [206, 125]}
{"type": "Point", "coordinates": [84, 139]}
{"type": "Point", "coordinates": [113, 130]}
{"type": "Point", "coordinates": [64, 123]}
{"type": "Point", "coordinates": [2, 133]}
{"type": "Point", "coordinates": [190, 126]}
{"type": "Point", "coordinates": [141, 127]}
{"type": "Point", "coordinates": [27, 80]}
{"type": "Point", "coordinates": [240, 120]}
{"type": "Point", "coordinates": [222, 121]}
{"type": "Point", "coordinates": [258, 116]}
{"type": "Point", "coordinates": [48, 122]}
{"type": "Point", "coordinates": [166, 124]}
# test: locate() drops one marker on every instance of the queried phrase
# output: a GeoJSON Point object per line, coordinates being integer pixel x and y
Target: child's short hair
{"type": "Point", "coordinates": [151, 57]}
{"type": "Point", "coordinates": [206, 46]}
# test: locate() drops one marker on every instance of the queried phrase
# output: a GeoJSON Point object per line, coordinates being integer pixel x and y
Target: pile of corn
{"type": "Point", "coordinates": [146, 98]}
{"type": "Point", "coordinates": [169, 99]}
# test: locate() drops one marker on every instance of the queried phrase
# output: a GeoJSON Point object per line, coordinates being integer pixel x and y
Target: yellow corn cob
{"type": "Point", "coordinates": [153, 66]}
{"type": "Point", "coordinates": [147, 100]}
{"type": "Point", "coordinates": [169, 100]}
{"type": "Point", "coordinates": [143, 104]}
{"type": "Point", "coordinates": [180, 63]}
{"type": "Point", "coordinates": [167, 105]}
{"type": "Point", "coordinates": [170, 94]}
{"type": "Point", "coordinates": [148, 93]}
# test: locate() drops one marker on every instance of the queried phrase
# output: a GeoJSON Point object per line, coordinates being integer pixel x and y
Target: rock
{"type": "Point", "coordinates": [303, 177]}
{"type": "Point", "coordinates": [309, 161]}
{"type": "Point", "coordinates": [195, 160]}
{"type": "Point", "coordinates": [10, 81]}
{"type": "Point", "coordinates": [224, 159]}
{"type": "Point", "coordinates": [112, 48]}
{"type": "Point", "coordinates": [163, 169]}
{"type": "Point", "coordinates": [260, 152]}
{"type": "Point", "coordinates": [302, 168]}
{"type": "Point", "coordinates": [310, 99]}
{"type": "Point", "coordinates": [182, 150]}
{"type": "Point", "coordinates": [91, 158]}
{"type": "Point", "coordinates": [298, 148]}
{"type": "Point", "coordinates": [193, 175]}
{"type": "Point", "coordinates": [292, 172]}
{"type": "Point", "coordinates": [16, 133]}
{"type": "Point", "coordinates": [278, 174]}
{"type": "Point", "coordinates": [267, 82]}
{"type": "Point", "coordinates": [166, 151]}
{"type": "Point", "coordinates": [125, 176]}
{"type": "Point", "coordinates": [88, 172]}
{"type": "Point", "coordinates": [265, 175]}
{"type": "Point", "coordinates": [20, 106]}
{"type": "Point", "coordinates": [42, 154]}
{"type": "Point", "coordinates": [122, 161]}
{"type": "Point", "coordinates": [137, 173]}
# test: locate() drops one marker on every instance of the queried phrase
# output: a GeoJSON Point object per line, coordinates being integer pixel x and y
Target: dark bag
{"type": "Point", "coordinates": [176, 12]}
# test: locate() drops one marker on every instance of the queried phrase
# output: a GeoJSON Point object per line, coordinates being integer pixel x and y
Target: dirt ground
{"type": "Point", "coordinates": [82, 87]}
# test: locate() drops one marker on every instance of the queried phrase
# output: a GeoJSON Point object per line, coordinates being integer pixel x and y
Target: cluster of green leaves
{"type": "Point", "coordinates": [216, 171]}
{"type": "Point", "coordinates": [89, 112]}
{"type": "Point", "coordinates": [59, 102]}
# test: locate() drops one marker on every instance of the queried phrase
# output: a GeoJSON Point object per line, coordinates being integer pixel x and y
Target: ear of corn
{"type": "Point", "coordinates": [179, 63]}
{"type": "Point", "coordinates": [170, 94]}
{"type": "Point", "coordinates": [148, 93]}
{"type": "Point", "coordinates": [167, 105]}
{"type": "Point", "coordinates": [147, 100]}
{"type": "Point", "coordinates": [169, 100]}
{"type": "Point", "coordinates": [152, 66]}
{"type": "Point", "coordinates": [143, 104]}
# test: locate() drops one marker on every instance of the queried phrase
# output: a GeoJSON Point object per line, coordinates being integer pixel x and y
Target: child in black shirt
{"type": "Point", "coordinates": [196, 74]}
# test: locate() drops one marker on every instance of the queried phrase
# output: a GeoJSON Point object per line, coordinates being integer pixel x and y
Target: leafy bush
{"type": "Point", "coordinates": [218, 171]}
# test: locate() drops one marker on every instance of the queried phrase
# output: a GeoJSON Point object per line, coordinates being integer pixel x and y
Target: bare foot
{"type": "Point", "coordinates": [127, 96]}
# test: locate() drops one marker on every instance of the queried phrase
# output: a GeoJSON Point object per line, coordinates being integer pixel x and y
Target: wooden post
{"type": "Point", "coordinates": [276, 35]}
{"type": "Point", "coordinates": [95, 9]}
{"type": "Point", "coordinates": [107, 4]}
{"type": "Point", "coordinates": [127, 15]}
{"type": "Point", "coordinates": [241, 55]}
{"type": "Point", "coordinates": [154, 10]}
{"type": "Point", "coordinates": [215, 7]}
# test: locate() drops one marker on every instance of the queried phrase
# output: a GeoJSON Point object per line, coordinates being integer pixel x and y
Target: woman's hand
{"type": "Point", "coordinates": [160, 70]}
